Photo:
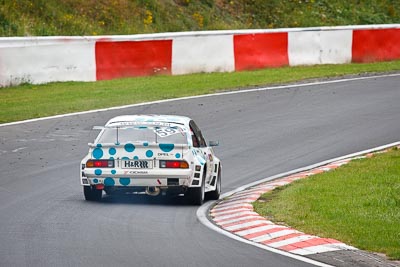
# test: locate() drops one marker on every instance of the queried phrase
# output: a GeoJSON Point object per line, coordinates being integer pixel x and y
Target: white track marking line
{"type": "Point", "coordinates": [200, 96]}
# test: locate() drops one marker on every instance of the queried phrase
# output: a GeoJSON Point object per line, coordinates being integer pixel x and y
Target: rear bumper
{"type": "Point", "coordinates": [136, 182]}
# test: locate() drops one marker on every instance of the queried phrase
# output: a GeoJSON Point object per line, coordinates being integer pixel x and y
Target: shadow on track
{"type": "Point", "coordinates": [142, 199]}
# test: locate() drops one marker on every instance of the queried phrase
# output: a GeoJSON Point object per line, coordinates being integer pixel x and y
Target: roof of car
{"type": "Point", "coordinates": [149, 119]}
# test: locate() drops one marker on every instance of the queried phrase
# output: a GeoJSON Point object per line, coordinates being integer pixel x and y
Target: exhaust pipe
{"type": "Point", "coordinates": [153, 191]}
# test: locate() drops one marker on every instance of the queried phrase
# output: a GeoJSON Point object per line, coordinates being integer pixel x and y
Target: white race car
{"type": "Point", "coordinates": [155, 154]}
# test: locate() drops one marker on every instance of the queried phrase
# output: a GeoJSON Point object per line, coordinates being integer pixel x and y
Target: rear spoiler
{"type": "Point", "coordinates": [106, 145]}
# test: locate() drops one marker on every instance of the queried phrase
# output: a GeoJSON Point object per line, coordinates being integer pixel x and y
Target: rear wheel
{"type": "Point", "coordinates": [91, 193]}
{"type": "Point", "coordinates": [196, 194]}
{"type": "Point", "coordinates": [214, 195]}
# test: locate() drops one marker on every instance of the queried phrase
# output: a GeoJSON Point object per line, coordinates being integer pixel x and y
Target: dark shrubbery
{"type": "Point", "coordinates": [103, 17]}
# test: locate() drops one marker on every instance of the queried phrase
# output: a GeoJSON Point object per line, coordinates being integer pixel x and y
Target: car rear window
{"type": "Point", "coordinates": [174, 135]}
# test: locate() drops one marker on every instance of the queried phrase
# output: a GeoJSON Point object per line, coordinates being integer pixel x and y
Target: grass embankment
{"type": "Point", "coordinates": [358, 204]}
{"type": "Point", "coordinates": [76, 17]}
{"type": "Point", "coordinates": [34, 101]}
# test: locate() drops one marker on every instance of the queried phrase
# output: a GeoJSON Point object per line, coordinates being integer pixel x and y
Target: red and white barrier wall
{"type": "Point", "coordinates": [48, 59]}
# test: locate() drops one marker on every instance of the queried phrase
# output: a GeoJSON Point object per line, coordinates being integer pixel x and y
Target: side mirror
{"type": "Point", "coordinates": [213, 143]}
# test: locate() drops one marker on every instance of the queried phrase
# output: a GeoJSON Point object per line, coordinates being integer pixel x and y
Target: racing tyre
{"type": "Point", "coordinates": [92, 194]}
{"type": "Point", "coordinates": [214, 195]}
{"type": "Point", "coordinates": [196, 195]}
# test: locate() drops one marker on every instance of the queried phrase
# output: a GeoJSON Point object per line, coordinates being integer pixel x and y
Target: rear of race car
{"type": "Point", "coordinates": [133, 158]}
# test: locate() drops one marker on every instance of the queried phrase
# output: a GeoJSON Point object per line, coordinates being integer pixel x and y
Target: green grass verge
{"type": "Point", "coordinates": [358, 204]}
{"type": "Point", "coordinates": [33, 101]}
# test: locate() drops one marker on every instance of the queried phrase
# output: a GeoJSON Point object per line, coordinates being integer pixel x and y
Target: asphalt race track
{"type": "Point", "coordinates": [44, 220]}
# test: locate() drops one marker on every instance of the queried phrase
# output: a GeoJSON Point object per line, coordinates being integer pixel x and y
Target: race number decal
{"type": "Point", "coordinates": [164, 132]}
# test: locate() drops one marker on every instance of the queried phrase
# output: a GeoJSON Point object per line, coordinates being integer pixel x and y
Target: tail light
{"type": "Point", "coordinates": [174, 164]}
{"type": "Point", "coordinates": [100, 163]}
